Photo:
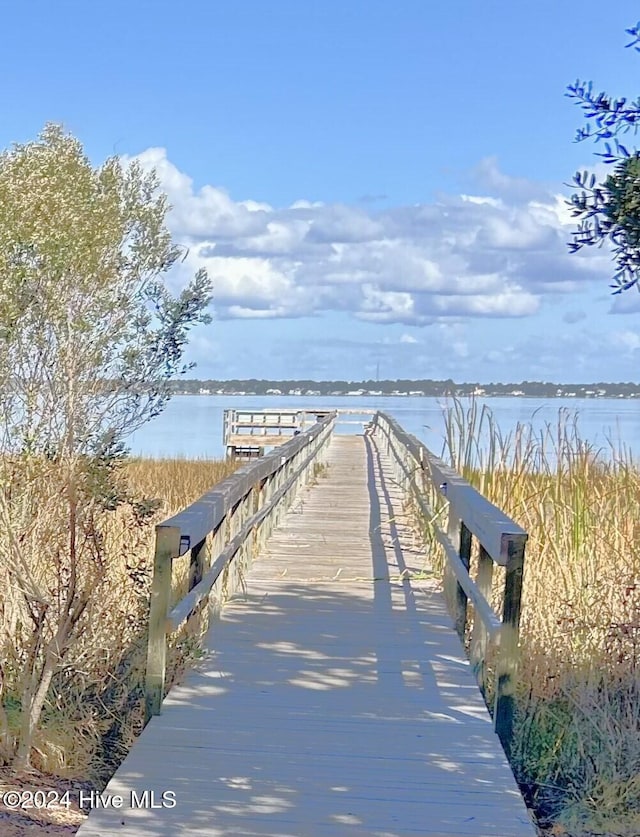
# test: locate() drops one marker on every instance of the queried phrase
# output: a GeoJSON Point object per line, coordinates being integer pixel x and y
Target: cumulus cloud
{"type": "Point", "coordinates": [511, 302]}
{"type": "Point", "coordinates": [208, 213]}
{"type": "Point", "coordinates": [495, 254]}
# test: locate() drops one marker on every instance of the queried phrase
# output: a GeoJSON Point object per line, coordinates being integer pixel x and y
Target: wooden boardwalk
{"type": "Point", "coordinates": [335, 698]}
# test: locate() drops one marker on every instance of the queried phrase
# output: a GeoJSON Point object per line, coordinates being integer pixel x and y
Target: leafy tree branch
{"type": "Point", "coordinates": [609, 212]}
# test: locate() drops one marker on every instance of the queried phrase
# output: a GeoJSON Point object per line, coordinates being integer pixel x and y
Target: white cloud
{"type": "Point", "coordinates": [516, 230]}
{"type": "Point", "coordinates": [482, 200]}
{"type": "Point", "coordinates": [278, 237]}
{"type": "Point", "coordinates": [509, 303]}
{"type": "Point", "coordinates": [244, 279]}
{"type": "Point", "coordinates": [386, 306]}
{"type": "Point", "coordinates": [556, 211]}
{"type": "Point", "coordinates": [241, 312]}
{"type": "Point", "coordinates": [209, 212]}
{"type": "Point", "coordinates": [256, 206]}
{"type": "Point", "coordinates": [337, 223]}
{"type": "Point", "coordinates": [496, 254]}
{"type": "Point", "coordinates": [306, 204]}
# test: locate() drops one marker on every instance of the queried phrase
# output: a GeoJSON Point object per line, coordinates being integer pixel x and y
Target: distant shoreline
{"type": "Point", "coordinates": [402, 388]}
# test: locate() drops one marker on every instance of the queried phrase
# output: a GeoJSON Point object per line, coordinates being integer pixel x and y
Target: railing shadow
{"type": "Point", "coordinates": [383, 562]}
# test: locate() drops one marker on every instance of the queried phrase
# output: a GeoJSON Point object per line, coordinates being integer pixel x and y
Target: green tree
{"type": "Point", "coordinates": [610, 211]}
{"type": "Point", "coordinates": [90, 336]}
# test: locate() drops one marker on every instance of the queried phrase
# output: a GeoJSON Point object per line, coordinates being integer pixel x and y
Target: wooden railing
{"type": "Point", "coordinates": [222, 531]}
{"type": "Point", "coordinates": [500, 540]}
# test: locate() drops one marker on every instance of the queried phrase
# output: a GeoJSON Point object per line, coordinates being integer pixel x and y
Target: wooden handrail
{"type": "Point", "coordinates": [237, 515]}
{"type": "Point", "coordinates": [501, 541]}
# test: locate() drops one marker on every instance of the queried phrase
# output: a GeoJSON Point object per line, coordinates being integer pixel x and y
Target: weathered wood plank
{"type": "Point", "coordinates": [263, 439]}
{"type": "Point", "coordinates": [335, 698]}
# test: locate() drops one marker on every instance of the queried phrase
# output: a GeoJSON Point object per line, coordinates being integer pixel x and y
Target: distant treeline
{"type": "Point", "coordinates": [426, 387]}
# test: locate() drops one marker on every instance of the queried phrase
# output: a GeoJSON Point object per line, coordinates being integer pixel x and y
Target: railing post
{"type": "Point", "coordinates": [449, 582]}
{"type": "Point", "coordinates": [455, 596]}
{"type": "Point", "coordinates": [478, 649]}
{"type": "Point", "coordinates": [461, 597]}
{"type": "Point", "coordinates": [240, 561]}
{"type": "Point", "coordinates": [167, 548]}
{"type": "Point", "coordinates": [270, 489]}
{"type": "Point", "coordinates": [217, 541]}
{"type": "Point", "coordinates": [507, 664]}
{"type": "Point", "coordinates": [256, 502]}
{"type": "Point", "coordinates": [263, 527]}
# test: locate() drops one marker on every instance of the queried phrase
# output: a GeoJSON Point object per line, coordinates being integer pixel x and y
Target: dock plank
{"type": "Point", "coordinates": [335, 698]}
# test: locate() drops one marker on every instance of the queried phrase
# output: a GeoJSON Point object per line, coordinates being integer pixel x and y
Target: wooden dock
{"type": "Point", "coordinates": [335, 698]}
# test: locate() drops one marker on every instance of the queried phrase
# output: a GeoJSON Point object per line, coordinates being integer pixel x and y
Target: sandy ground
{"type": "Point", "coordinates": [34, 805]}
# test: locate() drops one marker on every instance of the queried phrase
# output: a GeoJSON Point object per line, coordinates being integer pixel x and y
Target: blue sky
{"type": "Point", "coordinates": [368, 183]}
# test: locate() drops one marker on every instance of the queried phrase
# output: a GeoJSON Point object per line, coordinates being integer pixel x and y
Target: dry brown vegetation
{"type": "Point", "coordinates": [93, 708]}
{"type": "Point", "coordinates": [577, 746]}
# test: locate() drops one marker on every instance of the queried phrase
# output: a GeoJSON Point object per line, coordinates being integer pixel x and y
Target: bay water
{"type": "Point", "coordinates": [192, 425]}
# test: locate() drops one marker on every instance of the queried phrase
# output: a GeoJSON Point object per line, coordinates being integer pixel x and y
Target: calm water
{"type": "Point", "coordinates": [191, 426]}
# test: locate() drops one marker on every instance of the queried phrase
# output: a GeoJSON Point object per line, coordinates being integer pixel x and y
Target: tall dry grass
{"type": "Point", "coordinates": [577, 747]}
{"type": "Point", "coordinates": [94, 707]}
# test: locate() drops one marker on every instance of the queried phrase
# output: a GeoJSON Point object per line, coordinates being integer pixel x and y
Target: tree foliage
{"type": "Point", "coordinates": [90, 336]}
{"type": "Point", "coordinates": [610, 211]}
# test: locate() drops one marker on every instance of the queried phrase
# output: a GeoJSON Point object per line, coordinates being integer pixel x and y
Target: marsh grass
{"type": "Point", "coordinates": [94, 707]}
{"type": "Point", "coordinates": [577, 745]}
